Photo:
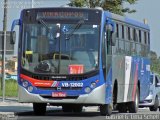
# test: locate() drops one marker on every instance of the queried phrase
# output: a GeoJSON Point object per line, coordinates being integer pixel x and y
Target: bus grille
{"type": "Point", "coordinates": [58, 79]}
{"type": "Point", "coordinates": [62, 88]}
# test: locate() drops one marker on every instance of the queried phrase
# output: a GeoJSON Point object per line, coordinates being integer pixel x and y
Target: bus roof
{"type": "Point", "coordinates": [126, 20]}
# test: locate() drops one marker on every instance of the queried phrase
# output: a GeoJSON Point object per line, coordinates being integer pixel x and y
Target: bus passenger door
{"type": "Point", "coordinates": [108, 48]}
{"type": "Point", "coordinates": [107, 59]}
{"type": "Point", "coordinates": [108, 43]}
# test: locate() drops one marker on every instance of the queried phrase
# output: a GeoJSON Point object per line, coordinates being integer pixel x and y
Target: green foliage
{"type": "Point", "coordinates": [155, 62]}
{"type": "Point", "coordinates": [77, 3]}
{"type": "Point", "coordinates": [115, 6]}
{"type": "Point", "coordinates": [11, 88]}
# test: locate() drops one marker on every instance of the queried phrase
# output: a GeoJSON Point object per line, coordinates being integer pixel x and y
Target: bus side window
{"type": "Point", "coordinates": [117, 30]}
{"type": "Point", "coordinates": [140, 36]}
{"type": "Point", "coordinates": [133, 48]}
{"type": "Point", "coordinates": [123, 35]}
{"type": "Point", "coordinates": [121, 47]}
{"type": "Point", "coordinates": [129, 33]}
{"type": "Point", "coordinates": [145, 37]}
{"type": "Point", "coordinates": [134, 35]}
{"type": "Point", "coordinates": [148, 38]}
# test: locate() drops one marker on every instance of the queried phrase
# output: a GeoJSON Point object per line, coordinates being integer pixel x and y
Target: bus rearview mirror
{"type": "Point", "coordinates": [13, 34]}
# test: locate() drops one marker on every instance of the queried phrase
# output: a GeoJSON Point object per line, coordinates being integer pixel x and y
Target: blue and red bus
{"type": "Point", "coordinates": [75, 57]}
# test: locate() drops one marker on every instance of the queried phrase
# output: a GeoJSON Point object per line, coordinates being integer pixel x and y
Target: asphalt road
{"type": "Point", "coordinates": [89, 113]}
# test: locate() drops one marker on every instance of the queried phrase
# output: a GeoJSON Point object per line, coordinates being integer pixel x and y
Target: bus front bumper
{"type": "Point", "coordinates": [97, 96]}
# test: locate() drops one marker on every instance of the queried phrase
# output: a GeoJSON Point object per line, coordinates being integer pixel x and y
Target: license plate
{"type": "Point", "coordinates": [59, 94]}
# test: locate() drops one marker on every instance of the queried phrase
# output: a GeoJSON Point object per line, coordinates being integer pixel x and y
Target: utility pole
{"type": "Point", "coordinates": [4, 45]}
{"type": "Point", "coordinates": [32, 3]}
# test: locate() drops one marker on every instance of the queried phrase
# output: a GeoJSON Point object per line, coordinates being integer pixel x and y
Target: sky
{"type": "Point", "coordinates": [146, 9]}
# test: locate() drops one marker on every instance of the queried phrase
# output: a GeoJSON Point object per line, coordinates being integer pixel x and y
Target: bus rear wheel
{"type": "Point", "coordinates": [133, 106]}
{"type": "Point", "coordinates": [122, 108]}
{"type": "Point", "coordinates": [39, 108]}
{"type": "Point", "coordinates": [106, 109]}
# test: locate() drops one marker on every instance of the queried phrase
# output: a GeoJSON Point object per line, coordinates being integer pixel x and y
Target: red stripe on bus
{"type": "Point", "coordinates": [36, 82]}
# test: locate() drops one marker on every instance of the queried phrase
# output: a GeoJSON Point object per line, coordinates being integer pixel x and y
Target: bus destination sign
{"type": "Point", "coordinates": [62, 15]}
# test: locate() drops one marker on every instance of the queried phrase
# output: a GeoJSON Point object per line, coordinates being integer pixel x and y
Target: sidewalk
{"type": "Point", "coordinates": [14, 106]}
{"type": "Point", "coordinates": [10, 107]}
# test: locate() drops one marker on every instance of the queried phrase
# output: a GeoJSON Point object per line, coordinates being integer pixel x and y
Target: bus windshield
{"type": "Point", "coordinates": [60, 48]}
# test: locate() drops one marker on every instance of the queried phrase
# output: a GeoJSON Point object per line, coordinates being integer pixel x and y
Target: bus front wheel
{"type": "Point", "coordinates": [106, 109]}
{"type": "Point", "coordinates": [39, 108]}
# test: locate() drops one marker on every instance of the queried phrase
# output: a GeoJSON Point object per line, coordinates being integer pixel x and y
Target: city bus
{"type": "Point", "coordinates": [75, 57]}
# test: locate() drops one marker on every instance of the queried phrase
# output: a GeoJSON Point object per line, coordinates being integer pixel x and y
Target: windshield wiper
{"type": "Point", "coordinates": [43, 23]}
{"type": "Point", "coordinates": [78, 25]}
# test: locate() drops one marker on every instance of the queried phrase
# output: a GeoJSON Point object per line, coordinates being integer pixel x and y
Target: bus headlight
{"type": "Point", "coordinates": [93, 85]}
{"type": "Point", "coordinates": [25, 84]}
{"type": "Point", "coordinates": [30, 89]}
{"type": "Point", "coordinates": [87, 89]}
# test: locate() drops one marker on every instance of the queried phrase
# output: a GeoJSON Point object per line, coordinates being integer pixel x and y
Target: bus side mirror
{"type": "Point", "coordinates": [13, 34]}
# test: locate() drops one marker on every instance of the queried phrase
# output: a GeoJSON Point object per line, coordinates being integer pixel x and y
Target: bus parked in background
{"type": "Point", "coordinates": [75, 57]}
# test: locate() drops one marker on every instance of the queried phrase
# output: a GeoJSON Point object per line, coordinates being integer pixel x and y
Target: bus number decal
{"type": "Point", "coordinates": [72, 84]}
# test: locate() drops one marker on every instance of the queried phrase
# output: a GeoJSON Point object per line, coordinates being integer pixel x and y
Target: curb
{"type": "Point", "coordinates": [14, 104]}
{"type": "Point", "coordinates": [8, 116]}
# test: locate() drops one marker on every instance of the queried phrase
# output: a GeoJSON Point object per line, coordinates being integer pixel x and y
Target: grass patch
{"type": "Point", "coordinates": [11, 88]}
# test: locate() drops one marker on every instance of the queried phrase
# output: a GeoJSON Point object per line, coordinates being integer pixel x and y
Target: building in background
{"type": "Point", "coordinates": [9, 47]}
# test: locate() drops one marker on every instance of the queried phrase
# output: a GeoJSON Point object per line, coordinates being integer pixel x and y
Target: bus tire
{"type": "Point", "coordinates": [106, 109]}
{"type": "Point", "coordinates": [133, 106]}
{"type": "Point", "coordinates": [77, 108]}
{"type": "Point", "coordinates": [39, 108]}
{"type": "Point", "coordinates": [122, 108]}
{"type": "Point", "coordinates": [155, 106]}
{"type": "Point", "coordinates": [67, 108]}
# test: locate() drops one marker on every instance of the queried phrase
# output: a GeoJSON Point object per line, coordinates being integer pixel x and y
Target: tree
{"type": "Point", "coordinates": [115, 6]}
{"type": "Point", "coordinates": [155, 62]}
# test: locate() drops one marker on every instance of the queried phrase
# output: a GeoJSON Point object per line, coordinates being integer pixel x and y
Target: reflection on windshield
{"type": "Point", "coordinates": [44, 52]}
